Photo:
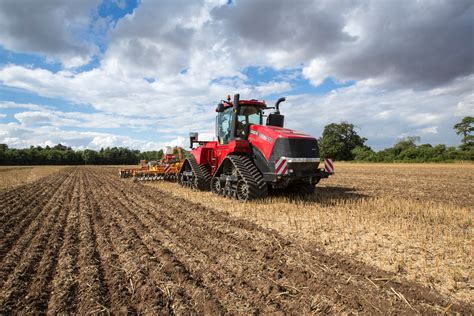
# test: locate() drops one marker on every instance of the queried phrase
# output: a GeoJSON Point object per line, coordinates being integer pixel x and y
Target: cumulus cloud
{"type": "Point", "coordinates": [383, 116]}
{"type": "Point", "coordinates": [84, 120]}
{"type": "Point", "coordinates": [54, 28]}
{"type": "Point", "coordinates": [20, 136]}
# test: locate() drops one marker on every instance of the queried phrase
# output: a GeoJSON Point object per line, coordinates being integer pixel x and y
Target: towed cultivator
{"type": "Point", "coordinates": [166, 169]}
{"type": "Point", "coordinates": [249, 158]}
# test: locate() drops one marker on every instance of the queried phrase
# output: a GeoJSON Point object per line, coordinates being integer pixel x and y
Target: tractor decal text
{"type": "Point", "coordinates": [262, 136]}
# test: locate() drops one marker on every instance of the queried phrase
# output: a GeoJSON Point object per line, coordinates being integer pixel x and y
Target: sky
{"type": "Point", "coordinates": [143, 74]}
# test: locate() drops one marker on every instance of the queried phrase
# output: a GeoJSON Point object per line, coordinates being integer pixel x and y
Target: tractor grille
{"type": "Point", "coordinates": [295, 148]}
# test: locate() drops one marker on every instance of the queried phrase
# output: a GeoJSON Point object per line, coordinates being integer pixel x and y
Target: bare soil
{"type": "Point", "coordinates": [82, 240]}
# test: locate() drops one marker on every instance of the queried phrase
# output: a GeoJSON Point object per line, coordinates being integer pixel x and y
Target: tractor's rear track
{"type": "Point", "coordinates": [244, 173]}
{"type": "Point", "coordinates": [201, 178]}
{"type": "Point", "coordinates": [84, 241]}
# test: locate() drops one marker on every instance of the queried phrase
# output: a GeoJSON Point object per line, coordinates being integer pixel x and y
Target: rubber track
{"type": "Point", "coordinates": [251, 175]}
{"type": "Point", "coordinates": [202, 174]}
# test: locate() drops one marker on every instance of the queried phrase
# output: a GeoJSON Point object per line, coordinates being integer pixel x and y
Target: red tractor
{"type": "Point", "coordinates": [248, 157]}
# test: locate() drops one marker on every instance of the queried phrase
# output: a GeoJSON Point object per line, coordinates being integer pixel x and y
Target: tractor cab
{"type": "Point", "coordinates": [234, 122]}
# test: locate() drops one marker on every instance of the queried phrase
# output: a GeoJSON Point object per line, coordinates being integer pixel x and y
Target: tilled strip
{"type": "Point", "coordinates": [13, 251]}
{"type": "Point", "coordinates": [15, 226]}
{"type": "Point", "coordinates": [13, 290]}
{"type": "Point", "coordinates": [216, 259]}
{"type": "Point", "coordinates": [93, 292]}
{"type": "Point", "coordinates": [40, 287]}
{"type": "Point", "coordinates": [169, 266]}
{"type": "Point", "coordinates": [65, 280]}
{"type": "Point", "coordinates": [115, 278]}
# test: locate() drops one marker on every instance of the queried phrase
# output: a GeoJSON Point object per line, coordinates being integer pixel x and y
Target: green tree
{"type": "Point", "coordinates": [90, 157]}
{"type": "Point", "coordinates": [405, 144]}
{"type": "Point", "coordinates": [338, 141]}
{"type": "Point", "coordinates": [363, 153]}
{"type": "Point", "coordinates": [466, 129]}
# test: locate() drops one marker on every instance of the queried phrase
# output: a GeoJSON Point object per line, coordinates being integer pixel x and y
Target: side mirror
{"type": "Point", "coordinates": [220, 107]}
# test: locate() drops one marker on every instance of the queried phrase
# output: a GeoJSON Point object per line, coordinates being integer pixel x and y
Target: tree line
{"type": "Point", "coordinates": [341, 142]}
{"type": "Point", "coordinates": [63, 155]}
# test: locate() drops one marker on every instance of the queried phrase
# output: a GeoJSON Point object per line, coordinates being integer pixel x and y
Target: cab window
{"type": "Point", "coordinates": [248, 115]}
{"type": "Point", "coordinates": [223, 125]}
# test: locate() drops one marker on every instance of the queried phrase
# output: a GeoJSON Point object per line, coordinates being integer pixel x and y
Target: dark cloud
{"type": "Point", "coordinates": [302, 28]}
{"type": "Point", "coordinates": [53, 28]}
{"type": "Point", "coordinates": [411, 43]}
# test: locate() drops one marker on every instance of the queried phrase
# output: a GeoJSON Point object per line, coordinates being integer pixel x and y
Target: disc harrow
{"type": "Point", "coordinates": [166, 169]}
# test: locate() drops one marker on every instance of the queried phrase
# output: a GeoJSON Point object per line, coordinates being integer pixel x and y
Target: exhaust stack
{"type": "Point", "coordinates": [276, 119]}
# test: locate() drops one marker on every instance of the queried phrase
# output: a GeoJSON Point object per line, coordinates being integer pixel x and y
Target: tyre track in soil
{"type": "Point", "coordinates": [97, 243]}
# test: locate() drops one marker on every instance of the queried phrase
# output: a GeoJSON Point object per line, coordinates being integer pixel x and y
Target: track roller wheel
{"type": "Point", "coordinates": [242, 191]}
{"type": "Point", "coordinates": [216, 186]}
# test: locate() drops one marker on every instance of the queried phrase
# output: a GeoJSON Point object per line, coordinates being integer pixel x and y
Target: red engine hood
{"type": "Point", "coordinates": [264, 137]}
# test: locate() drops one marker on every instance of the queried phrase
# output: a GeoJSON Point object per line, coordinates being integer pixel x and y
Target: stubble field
{"type": "Point", "coordinates": [12, 176]}
{"type": "Point", "coordinates": [373, 239]}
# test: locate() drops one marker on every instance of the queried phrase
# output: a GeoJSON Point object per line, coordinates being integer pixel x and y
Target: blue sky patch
{"type": "Point", "coordinates": [27, 60]}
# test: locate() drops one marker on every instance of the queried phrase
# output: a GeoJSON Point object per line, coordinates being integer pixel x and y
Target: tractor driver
{"type": "Point", "coordinates": [241, 129]}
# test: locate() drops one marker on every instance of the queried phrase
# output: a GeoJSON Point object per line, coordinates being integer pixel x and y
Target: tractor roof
{"type": "Point", "coordinates": [252, 102]}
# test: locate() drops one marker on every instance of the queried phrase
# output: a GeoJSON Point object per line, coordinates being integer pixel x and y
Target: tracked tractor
{"type": "Point", "coordinates": [250, 157]}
